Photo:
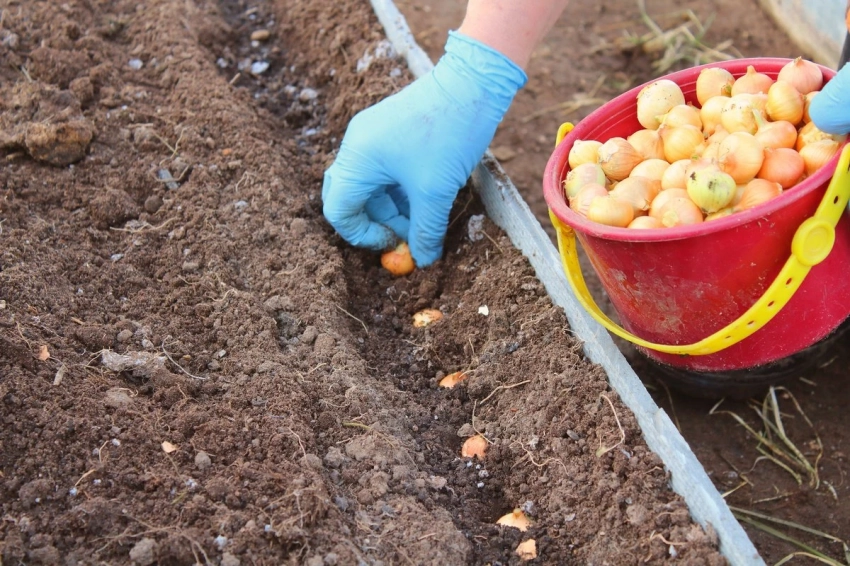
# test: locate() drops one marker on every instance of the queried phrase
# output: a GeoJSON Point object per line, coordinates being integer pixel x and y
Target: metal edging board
{"type": "Point", "coordinates": [506, 207]}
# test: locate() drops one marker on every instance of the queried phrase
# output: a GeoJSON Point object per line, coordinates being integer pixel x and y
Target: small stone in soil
{"type": "Point", "coordinates": [259, 67]}
{"type": "Point", "coordinates": [202, 460]}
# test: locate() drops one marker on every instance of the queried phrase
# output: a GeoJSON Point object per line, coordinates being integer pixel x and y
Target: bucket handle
{"type": "Point", "coordinates": [812, 243]}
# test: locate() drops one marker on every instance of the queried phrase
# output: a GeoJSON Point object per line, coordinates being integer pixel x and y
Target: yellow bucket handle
{"type": "Point", "coordinates": [811, 245]}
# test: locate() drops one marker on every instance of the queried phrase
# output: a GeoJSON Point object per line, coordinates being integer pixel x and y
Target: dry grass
{"type": "Point", "coordinates": [774, 444]}
{"type": "Point", "coordinates": [678, 46]}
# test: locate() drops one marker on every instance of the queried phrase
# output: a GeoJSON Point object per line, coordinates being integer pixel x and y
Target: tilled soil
{"type": "Point", "coordinates": [195, 369]}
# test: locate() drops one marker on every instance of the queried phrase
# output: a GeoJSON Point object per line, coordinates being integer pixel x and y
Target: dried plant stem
{"type": "Point", "coordinates": [602, 449]}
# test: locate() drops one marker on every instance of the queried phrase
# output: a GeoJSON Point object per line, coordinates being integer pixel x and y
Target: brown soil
{"type": "Point", "coordinates": [195, 369]}
{"type": "Point", "coordinates": [566, 67]}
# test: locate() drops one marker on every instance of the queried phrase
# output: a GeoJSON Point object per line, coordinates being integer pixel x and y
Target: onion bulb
{"type": "Point", "coordinates": [527, 550]}
{"type": "Point", "coordinates": [784, 102]}
{"type": "Point", "coordinates": [712, 82]}
{"type": "Point", "coordinates": [583, 151]}
{"type": "Point", "coordinates": [756, 192]}
{"type": "Point", "coordinates": [581, 176]}
{"type": "Point", "coordinates": [710, 114]}
{"type": "Point", "coordinates": [680, 211]}
{"type": "Point", "coordinates": [650, 168]}
{"type": "Point", "coordinates": [610, 211]}
{"type": "Point", "coordinates": [453, 379]}
{"type": "Point", "coordinates": [398, 261]}
{"type": "Point", "coordinates": [581, 202]}
{"type": "Point", "coordinates": [680, 142]}
{"type": "Point", "coordinates": [710, 188]}
{"type": "Point", "coordinates": [674, 176]}
{"type": "Point", "coordinates": [656, 99]}
{"type": "Point", "coordinates": [720, 213]}
{"type": "Point", "coordinates": [751, 82]}
{"type": "Point", "coordinates": [804, 75]}
{"type": "Point", "coordinates": [709, 151]}
{"type": "Point", "coordinates": [516, 519]}
{"type": "Point", "coordinates": [738, 115]}
{"type": "Point", "coordinates": [775, 134]}
{"type": "Point", "coordinates": [682, 115]}
{"type": "Point", "coordinates": [645, 222]}
{"type": "Point", "coordinates": [638, 192]}
{"type": "Point", "coordinates": [782, 165]}
{"type": "Point", "coordinates": [811, 133]}
{"type": "Point", "coordinates": [662, 199]}
{"type": "Point", "coordinates": [617, 158]}
{"type": "Point", "coordinates": [474, 447]}
{"type": "Point", "coordinates": [741, 156]}
{"type": "Point", "coordinates": [426, 317]}
{"type": "Point", "coordinates": [817, 153]}
{"type": "Point", "coordinates": [807, 102]}
{"type": "Point", "coordinates": [648, 143]}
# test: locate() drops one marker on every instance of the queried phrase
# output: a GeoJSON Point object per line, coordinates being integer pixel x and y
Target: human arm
{"type": "Point", "coordinates": [403, 160]}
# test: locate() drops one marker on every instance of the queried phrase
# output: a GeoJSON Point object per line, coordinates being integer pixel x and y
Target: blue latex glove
{"type": "Point", "coordinates": [403, 160]}
{"type": "Point", "coordinates": [830, 108]}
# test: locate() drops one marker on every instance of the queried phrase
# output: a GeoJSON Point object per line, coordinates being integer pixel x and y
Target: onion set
{"type": "Point", "coordinates": [744, 141]}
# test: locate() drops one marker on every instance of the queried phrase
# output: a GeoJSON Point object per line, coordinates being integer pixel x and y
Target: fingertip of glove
{"type": "Point", "coordinates": [424, 258]}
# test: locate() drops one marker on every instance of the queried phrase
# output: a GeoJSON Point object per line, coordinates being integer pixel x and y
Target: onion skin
{"type": "Point", "coordinates": [638, 192]}
{"type": "Point", "coordinates": [662, 199]}
{"type": "Point", "coordinates": [804, 75]}
{"type": "Point", "coordinates": [816, 154]}
{"type": "Point", "coordinates": [582, 175]}
{"type": "Point", "coordinates": [680, 211]}
{"type": "Point", "coordinates": [756, 192]}
{"type": "Point", "coordinates": [674, 176]}
{"type": "Point", "coordinates": [782, 165]}
{"type": "Point", "coordinates": [474, 447]}
{"type": "Point", "coordinates": [645, 223]}
{"type": "Point", "coordinates": [647, 143]}
{"type": "Point", "coordinates": [585, 195]}
{"type": "Point", "coordinates": [784, 102]}
{"type": "Point", "coordinates": [710, 188]}
{"type": "Point", "coordinates": [776, 134]}
{"type": "Point", "coordinates": [680, 142]}
{"type": "Point", "coordinates": [752, 82]}
{"type": "Point", "coordinates": [583, 151]}
{"type": "Point", "coordinates": [740, 155]}
{"type": "Point", "coordinates": [610, 211]}
{"type": "Point", "coordinates": [712, 82]}
{"type": "Point", "coordinates": [651, 169]}
{"type": "Point", "coordinates": [398, 261]}
{"type": "Point", "coordinates": [618, 157]}
{"type": "Point", "coordinates": [656, 99]}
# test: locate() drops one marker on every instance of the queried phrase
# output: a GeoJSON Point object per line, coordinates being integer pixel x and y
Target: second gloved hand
{"type": "Point", "coordinates": [403, 160]}
{"type": "Point", "coordinates": [830, 108]}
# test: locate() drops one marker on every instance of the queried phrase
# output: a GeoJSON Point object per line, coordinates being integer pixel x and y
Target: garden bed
{"type": "Point", "coordinates": [195, 369]}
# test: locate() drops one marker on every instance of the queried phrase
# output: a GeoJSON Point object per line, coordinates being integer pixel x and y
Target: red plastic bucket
{"type": "Point", "coordinates": [680, 285]}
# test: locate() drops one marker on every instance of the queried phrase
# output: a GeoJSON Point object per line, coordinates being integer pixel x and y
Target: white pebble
{"type": "Point", "coordinates": [259, 67]}
{"type": "Point", "coordinates": [308, 94]}
{"type": "Point", "coordinates": [135, 64]}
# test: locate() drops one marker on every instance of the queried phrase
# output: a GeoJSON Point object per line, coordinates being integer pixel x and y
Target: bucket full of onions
{"type": "Point", "coordinates": [712, 211]}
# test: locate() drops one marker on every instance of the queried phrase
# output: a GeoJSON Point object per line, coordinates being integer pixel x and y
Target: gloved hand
{"type": "Point", "coordinates": [830, 108]}
{"type": "Point", "coordinates": [403, 160]}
